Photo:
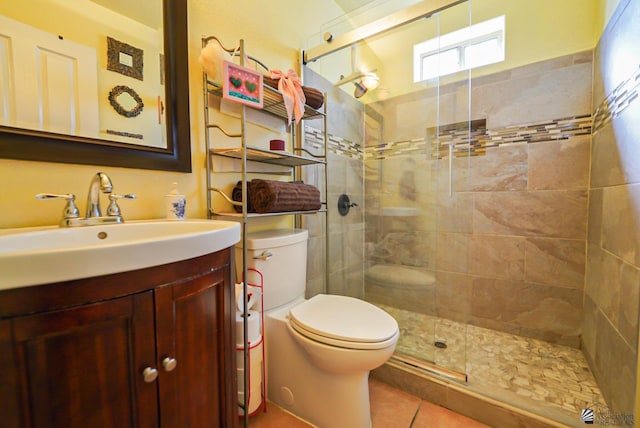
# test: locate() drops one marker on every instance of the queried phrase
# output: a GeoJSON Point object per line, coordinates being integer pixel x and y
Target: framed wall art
{"type": "Point", "coordinates": [125, 59]}
{"type": "Point", "coordinates": [241, 84]}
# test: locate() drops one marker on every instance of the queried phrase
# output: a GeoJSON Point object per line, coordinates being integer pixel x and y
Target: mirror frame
{"type": "Point", "coordinates": [25, 144]}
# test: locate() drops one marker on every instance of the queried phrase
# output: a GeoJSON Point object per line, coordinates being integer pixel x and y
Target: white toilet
{"type": "Point", "coordinates": [319, 351]}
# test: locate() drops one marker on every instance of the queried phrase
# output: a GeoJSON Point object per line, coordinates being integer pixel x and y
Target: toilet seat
{"type": "Point", "coordinates": [344, 321]}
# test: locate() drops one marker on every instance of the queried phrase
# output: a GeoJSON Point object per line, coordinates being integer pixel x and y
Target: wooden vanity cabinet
{"type": "Point", "coordinates": [83, 353]}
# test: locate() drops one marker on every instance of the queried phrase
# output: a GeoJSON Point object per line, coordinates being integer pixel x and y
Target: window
{"type": "Point", "coordinates": [471, 47]}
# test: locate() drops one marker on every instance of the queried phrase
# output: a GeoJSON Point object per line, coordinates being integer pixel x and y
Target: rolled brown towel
{"type": "Point", "coordinates": [269, 196]}
{"type": "Point", "coordinates": [236, 195]}
{"type": "Point", "coordinates": [314, 97]}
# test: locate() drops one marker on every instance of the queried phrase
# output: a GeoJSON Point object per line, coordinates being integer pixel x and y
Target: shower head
{"type": "Point", "coordinates": [364, 80]}
{"type": "Point", "coordinates": [360, 89]}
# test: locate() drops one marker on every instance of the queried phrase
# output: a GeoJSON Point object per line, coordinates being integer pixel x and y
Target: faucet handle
{"type": "Point", "coordinates": [113, 209]}
{"type": "Point", "coordinates": [70, 209]}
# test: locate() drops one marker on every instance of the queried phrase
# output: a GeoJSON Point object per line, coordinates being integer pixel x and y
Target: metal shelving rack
{"type": "Point", "coordinates": [273, 104]}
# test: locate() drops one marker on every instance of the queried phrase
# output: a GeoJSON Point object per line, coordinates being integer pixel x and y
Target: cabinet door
{"type": "Point", "coordinates": [194, 327]}
{"type": "Point", "coordinates": [82, 367]}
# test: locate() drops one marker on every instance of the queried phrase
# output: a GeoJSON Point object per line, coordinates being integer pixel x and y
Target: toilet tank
{"type": "Point", "coordinates": [280, 255]}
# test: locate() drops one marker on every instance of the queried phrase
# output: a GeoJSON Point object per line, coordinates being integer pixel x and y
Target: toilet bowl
{"type": "Point", "coordinates": [342, 334]}
{"type": "Point", "coordinates": [319, 351]}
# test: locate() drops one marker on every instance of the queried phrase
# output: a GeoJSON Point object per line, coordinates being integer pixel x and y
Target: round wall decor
{"type": "Point", "coordinates": [125, 101]}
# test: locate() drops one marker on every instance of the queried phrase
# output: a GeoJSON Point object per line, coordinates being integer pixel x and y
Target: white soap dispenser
{"type": "Point", "coordinates": [175, 204]}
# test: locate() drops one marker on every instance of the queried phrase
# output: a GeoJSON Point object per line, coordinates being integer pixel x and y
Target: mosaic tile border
{"type": "Point", "coordinates": [617, 101]}
{"type": "Point", "coordinates": [472, 138]}
{"type": "Point", "coordinates": [466, 138]}
{"type": "Point", "coordinates": [314, 141]}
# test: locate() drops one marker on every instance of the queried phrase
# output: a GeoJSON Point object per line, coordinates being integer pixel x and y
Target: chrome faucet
{"type": "Point", "coordinates": [99, 183]}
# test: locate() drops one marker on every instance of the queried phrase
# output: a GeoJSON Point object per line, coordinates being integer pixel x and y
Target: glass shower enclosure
{"type": "Point", "coordinates": [452, 228]}
{"type": "Point", "coordinates": [406, 157]}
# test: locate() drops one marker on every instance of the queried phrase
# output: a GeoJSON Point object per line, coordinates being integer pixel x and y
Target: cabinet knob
{"type": "Point", "coordinates": [149, 374]}
{"type": "Point", "coordinates": [169, 364]}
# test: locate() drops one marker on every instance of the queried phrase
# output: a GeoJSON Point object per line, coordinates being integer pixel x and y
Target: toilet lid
{"type": "Point", "coordinates": [344, 318]}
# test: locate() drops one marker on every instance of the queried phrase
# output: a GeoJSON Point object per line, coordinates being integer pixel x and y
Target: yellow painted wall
{"type": "Point", "coordinates": [604, 10]}
{"type": "Point", "coordinates": [535, 31]}
{"type": "Point", "coordinates": [539, 30]}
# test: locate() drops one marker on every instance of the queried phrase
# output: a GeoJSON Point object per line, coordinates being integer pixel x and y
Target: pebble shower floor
{"type": "Point", "coordinates": [543, 377]}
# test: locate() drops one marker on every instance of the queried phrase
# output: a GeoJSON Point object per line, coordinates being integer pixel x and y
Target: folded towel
{"type": "Point", "coordinates": [269, 196]}
{"type": "Point", "coordinates": [236, 195]}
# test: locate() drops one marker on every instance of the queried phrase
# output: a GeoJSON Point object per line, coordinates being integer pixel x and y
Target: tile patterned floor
{"type": "Point", "coordinates": [541, 376]}
{"type": "Point", "coordinates": [390, 408]}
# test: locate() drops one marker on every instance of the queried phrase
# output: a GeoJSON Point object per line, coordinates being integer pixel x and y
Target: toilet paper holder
{"type": "Point", "coordinates": [251, 352]}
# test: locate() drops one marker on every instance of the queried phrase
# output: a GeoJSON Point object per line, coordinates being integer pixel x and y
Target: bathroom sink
{"type": "Point", "coordinates": [41, 255]}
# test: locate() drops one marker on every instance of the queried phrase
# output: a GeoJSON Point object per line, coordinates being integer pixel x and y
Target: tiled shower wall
{"type": "Point", "coordinates": [345, 172]}
{"type": "Point", "coordinates": [610, 325]}
{"type": "Point", "coordinates": [507, 245]}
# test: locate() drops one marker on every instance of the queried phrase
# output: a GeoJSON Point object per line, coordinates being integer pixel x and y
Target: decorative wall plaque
{"type": "Point", "coordinates": [125, 101]}
{"type": "Point", "coordinates": [124, 59]}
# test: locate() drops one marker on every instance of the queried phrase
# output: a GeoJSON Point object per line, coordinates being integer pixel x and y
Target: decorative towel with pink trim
{"type": "Point", "coordinates": [291, 87]}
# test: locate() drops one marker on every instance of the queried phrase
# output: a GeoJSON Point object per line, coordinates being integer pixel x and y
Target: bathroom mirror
{"type": "Point", "coordinates": [169, 106]}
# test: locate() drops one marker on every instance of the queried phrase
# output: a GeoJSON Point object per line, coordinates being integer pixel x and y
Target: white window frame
{"type": "Point", "coordinates": [459, 40]}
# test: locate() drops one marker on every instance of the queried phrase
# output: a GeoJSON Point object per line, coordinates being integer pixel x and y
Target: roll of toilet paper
{"type": "Point", "coordinates": [253, 297]}
{"type": "Point", "coordinates": [255, 380]}
{"type": "Point", "coordinates": [253, 326]}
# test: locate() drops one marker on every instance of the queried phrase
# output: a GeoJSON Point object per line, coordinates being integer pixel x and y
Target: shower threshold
{"type": "Point", "coordinates": [430, 368]}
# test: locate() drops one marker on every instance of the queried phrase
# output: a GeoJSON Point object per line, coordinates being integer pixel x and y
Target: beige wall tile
{"type": "Point", "coordinates": [562, 164]}
{"type": "Point", "coordinates": [452, 252]}
{"type": "Point", "coordinates": [561, 213]}
{"type": "Point", "coordinates": [589, 323]}
{"type": "Point", "coordinates": [532, 307]}
{"type": "Point", "coordinates": [497, 256]}
{"type": "Point", "coordinates": [455, 214]}
{"type": "Point", "coordinates": [315, 258]}
{"type": "Point", "coordinates": [615, 367]}
{"type": "Point", "coordinates": [554, 261]}
{"type": "Point", "coordinates": [500, 168]}
{"type": "Point", "coordinates": [629, 300]}
{"type": "Point", "coordinates": [559, 92]}
{"type": "Point", "coordinates": [453, 296]}
{"type": "Point", "coordinates": [594, 233]}
{"type": "Point", "coordinates": [613, 285]}
{"type": "Point", "coordinates": [621, 222]}
{"type": "Point", "coordinates": [603, 281]}
{"type": "Point", "coordinates": [615, 152]}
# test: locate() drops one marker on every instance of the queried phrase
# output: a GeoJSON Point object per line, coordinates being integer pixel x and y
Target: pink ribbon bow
{"type": "Point", "coordinates": [291, 87]}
